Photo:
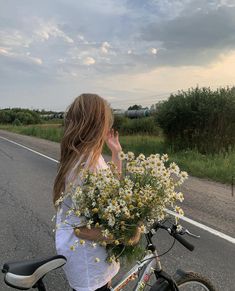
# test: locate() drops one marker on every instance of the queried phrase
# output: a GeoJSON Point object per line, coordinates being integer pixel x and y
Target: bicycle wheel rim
{"type": "Point", "coordinates": [193, 286]}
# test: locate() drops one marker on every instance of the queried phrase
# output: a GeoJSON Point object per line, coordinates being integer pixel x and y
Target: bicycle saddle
{"type": "Point", "coordinates": [25, 274]}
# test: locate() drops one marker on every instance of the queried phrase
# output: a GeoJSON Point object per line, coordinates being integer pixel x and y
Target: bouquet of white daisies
{"type": "Point", "coordinates": [118, 204]}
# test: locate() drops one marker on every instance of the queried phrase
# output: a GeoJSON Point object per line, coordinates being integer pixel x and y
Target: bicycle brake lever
{"type": "Point", "coordinates": [191, 234]}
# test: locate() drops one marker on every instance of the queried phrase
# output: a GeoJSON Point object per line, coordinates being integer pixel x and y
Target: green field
{"type": "Point", "coordinates": [218, 167]}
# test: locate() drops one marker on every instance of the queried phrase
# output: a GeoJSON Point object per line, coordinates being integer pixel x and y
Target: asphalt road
{"type": "Point", "coordinates": [26, 210]}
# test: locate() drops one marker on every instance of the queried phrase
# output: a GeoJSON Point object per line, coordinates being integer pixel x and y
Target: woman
{"type": "Point", "coordinates": [87, 126]}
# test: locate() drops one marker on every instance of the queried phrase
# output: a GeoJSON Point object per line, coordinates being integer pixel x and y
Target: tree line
{"type": "Point", "coordinates": [198, 118]}
{"type": "Point", "coordinates": [19, 116]}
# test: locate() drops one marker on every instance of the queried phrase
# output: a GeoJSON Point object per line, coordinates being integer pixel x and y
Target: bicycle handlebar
{"type": "Point", "coordinates": [183, 241]}
{"type": "Point", "coordinates": [173, 232]}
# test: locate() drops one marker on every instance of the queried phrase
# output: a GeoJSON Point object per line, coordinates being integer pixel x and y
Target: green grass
{"type": "Point", "coordinates": [51, 132]}
{"type": "Point", "coordinates": [219, 167]}
{"type": "Point", "coordinates": [52, 121]}
{"type": "Point", "coordinates": [146, 144]}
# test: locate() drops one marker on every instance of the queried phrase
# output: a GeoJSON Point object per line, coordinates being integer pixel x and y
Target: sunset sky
{"type": "Point", "coordinates": [128, 51]}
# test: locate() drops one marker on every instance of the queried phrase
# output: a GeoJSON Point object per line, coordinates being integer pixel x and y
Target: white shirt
{"type": "Point", "coordinates": [82, 272]}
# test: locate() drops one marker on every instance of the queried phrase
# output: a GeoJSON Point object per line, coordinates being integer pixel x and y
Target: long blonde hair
{"type": "Point", "coordinates": [86, 124]}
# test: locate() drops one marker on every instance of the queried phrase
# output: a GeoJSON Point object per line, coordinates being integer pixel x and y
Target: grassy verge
{"type": "Point", "coordinates": [53, 121]}
{"type": "Point", "coordinates": [218, 167]}
{"type": "Point", "coordinates": [51, 132]}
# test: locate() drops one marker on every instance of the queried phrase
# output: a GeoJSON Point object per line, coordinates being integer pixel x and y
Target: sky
{"type": "Point", "coordinates": [127, 51]}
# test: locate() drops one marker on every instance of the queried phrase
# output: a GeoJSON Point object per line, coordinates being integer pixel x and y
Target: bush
{"type": "Point", "coordinates": [144, 125]}
{"type": "Point", "coordinates": [199, 119]}
{"type": "Point", "coordinates": [25, 116]}
{"type": "Point", "coordinates": [16, 122]}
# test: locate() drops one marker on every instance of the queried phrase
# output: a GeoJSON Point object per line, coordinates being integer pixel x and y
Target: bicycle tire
{"type": "Point", "coordinates": [189, 277]}
{"type": "Point", "coordinates": [183, 280]}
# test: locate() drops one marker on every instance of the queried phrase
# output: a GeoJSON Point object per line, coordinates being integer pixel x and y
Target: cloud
{"type": "Point", "coordinates": [228, 3]}
{"type": "Point", "coordinates": [159, 83]}
{"type": "Point", "coordinates": [35, 60]}
{"type": "Point", "coordinates": [198, 37]}
{"type": "Point", "coordinates": [14, 38]}
{"type": "Point", "coordinates": [168, 9]}
{"type": "Point", "coordinates": [48, 29]}
{"type": "Point", "coordinates": [105, 47]}
{"type": "Point", "coordinates": [107, 7]}
{"type": "Point", "coordinates": [199, 30]}
{"type": "Point", "coordinates": [82, 39]}
{"type": "Point", "coordinates": [5, 52]}
{"type": "Point", "coordinates": [89, 61]}
{"type": "Point", "coordinates": [153, 51]}
{"type": "Point", "coordinates": [20, 57]}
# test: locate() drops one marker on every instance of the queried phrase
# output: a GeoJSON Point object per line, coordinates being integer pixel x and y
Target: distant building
{"type": "Point", "coordinates": [118, 111]}
{"type": "Point", "coordinates": [137, 113]}
{"type": "Point", "coordinates": [57, 115]}
{"type": "Point", "coordinates": [143, 112]}
{"type": "Point", "coordinates": [47, 116]}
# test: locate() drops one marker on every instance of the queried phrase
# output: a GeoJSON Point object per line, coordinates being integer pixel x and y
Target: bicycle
{"type": "Point", "coordinates": [24, 275]}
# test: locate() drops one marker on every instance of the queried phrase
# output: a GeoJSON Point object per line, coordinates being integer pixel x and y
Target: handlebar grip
{"type": "Point", "coordinates": [183, 241]}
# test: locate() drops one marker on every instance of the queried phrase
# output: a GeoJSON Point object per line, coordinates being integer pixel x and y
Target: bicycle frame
{"type": "Point", "coordinates": [149, 265]}
{"type": "Point", "coordinates": [40, 285]}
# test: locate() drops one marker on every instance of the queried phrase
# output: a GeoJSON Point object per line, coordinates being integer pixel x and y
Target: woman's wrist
{"type": "Point", "coordinates": [117, 150]}
{"type": "Point", "coordinates": [115, 153]}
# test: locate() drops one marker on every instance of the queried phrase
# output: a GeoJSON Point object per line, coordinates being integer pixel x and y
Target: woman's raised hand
{"type": "Point", "coordinates": [112, 141]}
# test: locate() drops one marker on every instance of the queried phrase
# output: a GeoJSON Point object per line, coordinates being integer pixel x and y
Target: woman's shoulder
{"type": "Point", "coordinates": [73, 175]}
{"type": "Point", "coordinates": [101, 163]}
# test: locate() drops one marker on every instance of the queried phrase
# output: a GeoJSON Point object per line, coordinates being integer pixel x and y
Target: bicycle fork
{"type": "Point", "coordinates": [160, 274]}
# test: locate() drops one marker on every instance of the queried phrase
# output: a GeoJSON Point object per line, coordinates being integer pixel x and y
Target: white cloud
{"type": "Point", "coordinates": [50, 29]}
{"type": "Point", "coordinates": [105, 47]}
{"type": "Point", "coordinates": [129, 52]}
{"type": "Point", "coordinates": [5, 52]}
{"type": "Point", "coordinates": [14, 38]}
{"type": "Point", "coordinates": [89, 61]}
{"type": "Point", "coordinates": [35, 60]}
{"type": "Point", "coordinates": [61, 60]}
{"type": "Point", "coordinates": [153, 51]}
{"type": "Point", "coordinates": [81, 37]}
{"type": "Point", "coordinates": [19, 56]}
{"type": "Point", "coordinates": [229, 3]}
{"type": "Point", "coordinates": [169, 9]}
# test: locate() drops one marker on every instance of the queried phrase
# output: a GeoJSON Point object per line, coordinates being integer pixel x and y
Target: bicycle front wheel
{"type": "Point", "coordinates": [190, 281]}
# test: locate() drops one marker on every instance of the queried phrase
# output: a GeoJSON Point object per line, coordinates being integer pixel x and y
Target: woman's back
{"type": "Point", "coordinates": [87, 127]}
{"type": "Point", "coordinates": [83, 272]}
